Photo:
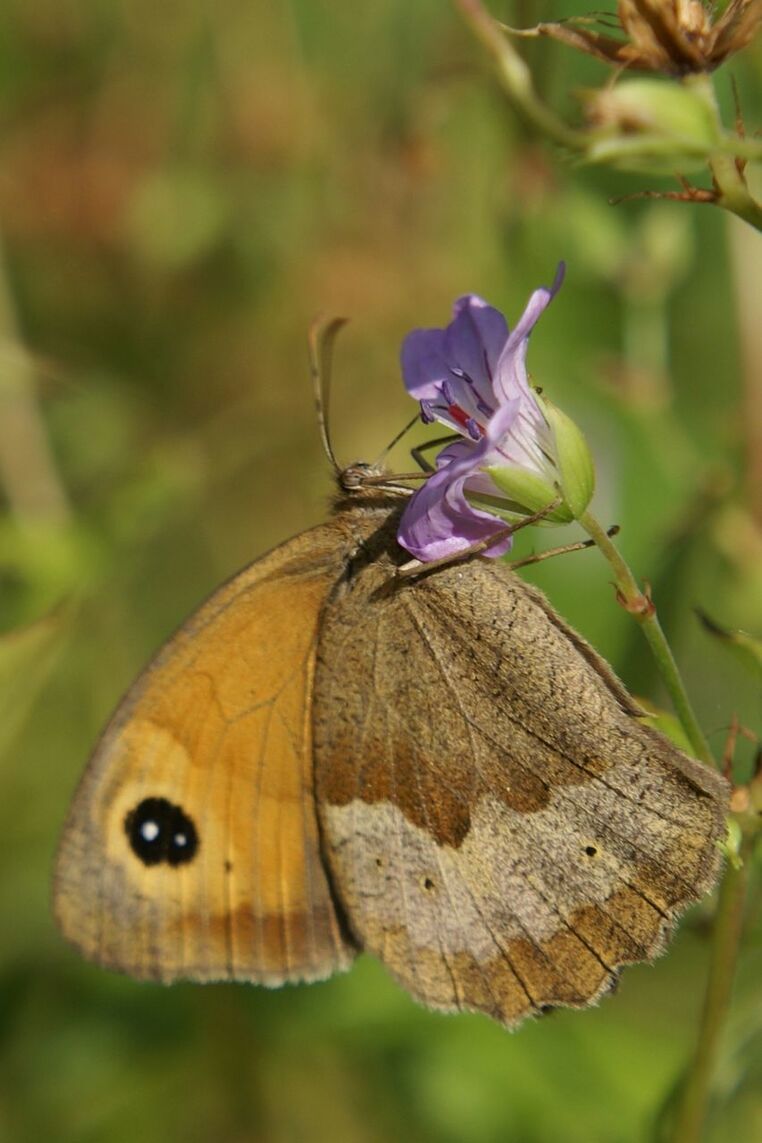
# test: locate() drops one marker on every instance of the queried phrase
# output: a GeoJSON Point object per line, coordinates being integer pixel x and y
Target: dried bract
{"type": "Point", "coordinates": [673, 37]}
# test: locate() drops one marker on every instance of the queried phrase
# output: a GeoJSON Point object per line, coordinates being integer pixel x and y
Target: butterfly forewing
{"type": "Point", "coordinates": [502, 830]}
{"type": "Point", "coordinates": [191, 848]}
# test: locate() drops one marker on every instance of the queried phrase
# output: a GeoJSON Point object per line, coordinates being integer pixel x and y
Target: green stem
{"type": "Point", "coordinates": [740, 146]}
{"type": "Point", "coordinates": [728, 176]}
{"type": "Point", "coordinates": [643, 610]}
{"type": "Point", "coordinates": [516, 77]}
{"type": "Point", "coordinates": [734, 194]}
{"type": "Point", "coordinates": [728, 926]}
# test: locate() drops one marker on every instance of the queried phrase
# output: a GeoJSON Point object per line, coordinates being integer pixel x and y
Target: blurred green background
{"type": "Point", "coordinates": [183, 186]}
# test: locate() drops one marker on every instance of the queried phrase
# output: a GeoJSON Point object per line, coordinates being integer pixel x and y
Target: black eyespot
{"type": "Point", "coordinates": [590, 850]}
{"type": "Point", "coordinates": [428, 884]}
{"type": "Point", "coordinates": [160, 831]}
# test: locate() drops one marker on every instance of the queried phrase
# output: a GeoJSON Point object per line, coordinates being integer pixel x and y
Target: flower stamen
{"type": "Point", "coordinates": [461, 417]}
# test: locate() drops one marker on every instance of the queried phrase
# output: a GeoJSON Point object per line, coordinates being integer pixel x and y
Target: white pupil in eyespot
{"type": "Point", "coordinates": [180, 839]}
{"type": "Point", "coordinates": [149, 831]}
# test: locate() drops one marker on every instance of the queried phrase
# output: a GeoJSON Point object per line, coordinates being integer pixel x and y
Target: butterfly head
{"type": "Point", "coordinates": [369, 483]}
{"type": "Point", "coordinates": [359, 476]}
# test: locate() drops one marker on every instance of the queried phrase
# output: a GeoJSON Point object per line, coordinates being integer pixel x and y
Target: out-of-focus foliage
{"type": "Point", "coordinates": [182, 187]}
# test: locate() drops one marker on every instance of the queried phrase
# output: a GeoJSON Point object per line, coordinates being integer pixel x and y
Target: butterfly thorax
{"type": "Point", "coordinates": [368, 506]}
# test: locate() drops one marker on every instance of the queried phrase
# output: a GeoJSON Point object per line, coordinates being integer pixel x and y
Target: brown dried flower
{"type": "Point", "coordinates": [674, 37]}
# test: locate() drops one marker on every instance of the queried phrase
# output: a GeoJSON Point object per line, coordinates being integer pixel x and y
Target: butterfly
{"type": "Point", "coordinates": [330, 757]}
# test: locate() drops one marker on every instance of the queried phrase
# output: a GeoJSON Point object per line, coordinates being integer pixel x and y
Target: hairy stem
{"type": "Point", "coordinates": [641, 607]}
{"type": "Point", "coordinates": [734, 194]}
{"type": "Point", "coordinates": [728, 175]}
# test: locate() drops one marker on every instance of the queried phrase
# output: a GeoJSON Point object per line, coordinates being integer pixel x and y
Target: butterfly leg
{"type": "Point", "coordinates": [415, 567]}
{"type": "Point", "coordinates": [417, 453]}
{"type": "Point", "coordinates": [538, 557]}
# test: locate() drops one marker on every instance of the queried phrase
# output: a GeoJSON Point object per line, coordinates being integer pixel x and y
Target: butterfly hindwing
{"type": "Point", "coordinates": [502, 830]}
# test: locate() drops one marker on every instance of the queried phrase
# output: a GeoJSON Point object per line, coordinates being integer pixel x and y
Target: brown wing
{"type": "Point", "coordinates": [503, 832]}
{"type": "Point", "coordinates": [191, 848]}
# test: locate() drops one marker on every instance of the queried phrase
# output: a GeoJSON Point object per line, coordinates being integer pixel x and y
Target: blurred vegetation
{"type": "Point", "coordinates": [183, 185]}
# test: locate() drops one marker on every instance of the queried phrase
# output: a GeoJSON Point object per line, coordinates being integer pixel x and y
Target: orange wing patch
{"type": "Point", "coordinates": [192, 847]}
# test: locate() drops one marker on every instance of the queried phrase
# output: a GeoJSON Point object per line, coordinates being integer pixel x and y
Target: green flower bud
{"type": "Point", "coordinates": [526, 492]}
{"type": "Point", "coordinates": [651, 125]}
{"type": "Point", "coordinates": [567, 471]}
{"type": "Point", "coordinates": [572, 457]}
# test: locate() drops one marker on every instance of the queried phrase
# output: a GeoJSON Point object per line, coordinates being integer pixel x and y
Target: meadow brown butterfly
{"type": "Point", "coordinates": [328, 758]}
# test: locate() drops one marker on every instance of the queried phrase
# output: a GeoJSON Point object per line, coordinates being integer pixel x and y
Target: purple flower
{"type": "Point", "coordinates": [472, 377]}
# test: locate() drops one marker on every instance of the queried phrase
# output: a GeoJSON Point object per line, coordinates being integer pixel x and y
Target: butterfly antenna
{"type": "Point", "coordinates": [322, 335]}
{"type": "Point", "coordinates": [396, 440]}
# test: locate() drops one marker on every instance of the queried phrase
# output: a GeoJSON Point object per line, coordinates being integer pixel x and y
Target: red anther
{"type": "Point", "coordinates": [463, 418]}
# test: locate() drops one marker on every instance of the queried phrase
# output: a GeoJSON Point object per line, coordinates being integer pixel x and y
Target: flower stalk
{"type": "Point", "coordinates": [642, 608]}
{"type": "Point", "coordinates": [727, 171]}
{"type": "Point", "coordinates": [732, 192]}
{"type": "Point", "coordinates": [728, 921]}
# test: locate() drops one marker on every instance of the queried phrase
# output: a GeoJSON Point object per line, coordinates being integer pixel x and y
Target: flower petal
{"type": "Point", "coordinates": [477, 480]}
{"type": "Point", "coordinates": [474, 341]}
{"type": "Point", "coordinates": [424, 366]}
{"type": "Point", "coordinates": [510, 375]}
{"type": "Point", "coordinates": [439, 521]}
